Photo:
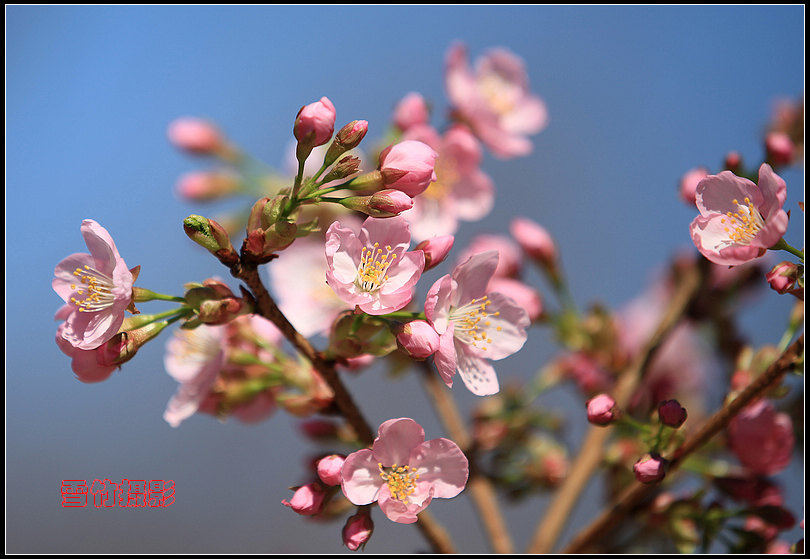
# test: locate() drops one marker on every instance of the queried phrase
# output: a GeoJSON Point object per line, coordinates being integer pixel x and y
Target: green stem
{"type": "Point", "coordinates": [141, 295]}
{"type": "Point", "coordinates": [782, 245]}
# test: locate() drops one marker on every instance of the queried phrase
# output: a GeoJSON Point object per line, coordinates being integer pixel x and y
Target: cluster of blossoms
{"type": "Point", "coordinates": [347, 240]}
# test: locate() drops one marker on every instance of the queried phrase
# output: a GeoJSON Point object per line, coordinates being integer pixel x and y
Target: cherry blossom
{"type": "Point", "coordinates": [739, 220]}
{"type": "Point", "coordinates": [402, 472]}
{"type": "Point", "coordinates": [97, 287]}
{"type": "Point", "coordinates": [474, 325]}
{"type": "Point", "coordinates": [372, 269]}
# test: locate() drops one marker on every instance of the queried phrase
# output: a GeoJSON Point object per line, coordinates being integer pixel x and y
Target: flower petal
{"type": "Point", "coordinates": [360, 477]}
{"type": "Point", "coordinates": [101, 246]}
{"type": "Point", "coordinates": [405, 513]}
{"type": "Point", "coordinates": [473, 276]}
{"type": "Point", "coordinates": [478, 374]}
{"type": "Point", "coordinates": [445, 357]}
{"type": "Point", "coordinates": [437, 302]}
{"type": "Point", "coordinates": [441, 463]}
{"type": "Point", "coordinates": [395, 441]}
{"type": "Point", "coordinates": [506, 331]}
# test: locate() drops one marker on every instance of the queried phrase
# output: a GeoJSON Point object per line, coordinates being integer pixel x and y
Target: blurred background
{"type": "Point", "coordinates": [636, 96]}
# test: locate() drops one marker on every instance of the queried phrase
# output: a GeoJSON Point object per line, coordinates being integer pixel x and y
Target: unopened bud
{"type": "Point", "coordinates": [780, 148]}
{"type": "Point", "coordinates": [408, 166]}
{"type": "Point", "coordinates": [418, 339]}
{"type": "Point", "coordinates": [307, 499]}
{"type": "Point", "coordinates": [671, 413]}
{"type": "Point", "coordinates": [314, 126]}
{"type": "Point", "coordinates": [347, 138]}
{"type": "Point", "coordinates": [358, 530]}
{"type": "Point", "coordinates": [436, 250]}
{"type": "Point", "coordinates": [650, 468]}
{"type": "Point", "coordinates": [602, 410]}
{"type": "Point", "coordinates": [329, 469]}
{"type": "Point", "coordinates": [367, 182]}
{"type": "Point", "coordinates": [783, 277]}
{"type": "Point", "coordinates": [206, 186]}
{"type": "Point", "coordinates": [195, 136]}
{"type": "Point", "coordinates": [208, 234]}
{"type": "Point", "coordinates": [346, 167]}
{"type": "Point", "coordinates": [124, 345]}
{"type": "Point", "coordinates": [386, 203]}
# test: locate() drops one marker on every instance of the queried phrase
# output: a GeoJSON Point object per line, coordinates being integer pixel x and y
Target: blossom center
{"type": "Point", "coordinates": [744, 224]}
{"type": "Point", "coordinates": [498, 93]}
{"type": "Point", "coordinates": [373, 269]}
{"type": "Point", "coordinates": [401, 480]}
{"type": "Point", "coordinates": [447, 175]}
{"type": "Point", "coordinates": [96, 288]}
{"type": "Point", "coordinates": [470, 322]}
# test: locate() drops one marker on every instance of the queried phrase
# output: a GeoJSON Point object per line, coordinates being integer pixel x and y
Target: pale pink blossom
{"type": "Point", "coordinates": [408, 166]}
{"type": "Point", "coordinates": [412, 110]}
{"type": "Point", "coordinates": [650, 469]}
{"type": "Point", "coordinates": [418, 339]}
{"type": "Point", "coordinates": [89, 365]}
{"type": "Point", "coordinates": [373, 269]}
{"type": "Point", "coordinates": [402, 472]}
{"type": "Point", "coordinates": [602, 409]}
{"type": "Point", "coordinates": [195, 135]}
{"type": "Point", "coordinates": [495, 100]}
{"type": "Point", "coordinates": [474, 325]}
{"type": "Point", "coordinates": [461, 191]}
{"type": "Point", "coordinates": [436, 249]}
{"type": "Point", "coordinates": [739, 220]}
{"type": "Point", "coordinates": [329, 467]}
{"type": "Point", "coordinates": [315, 123]}
{"type": "Point", "coordinates": [307, 499]}
{"type": "Point", "coordinates": [97, 287]}
{"type": "Point", "coordinates": [296, 279]}
{"type": "Point", "coordinates": [357, 530]}
{"type": "Point", "coordinates": [534, 239]}
{"type": "Point", "coordinates": [687, 188]}
{"type": "Point", "coordinates": [762, 438]}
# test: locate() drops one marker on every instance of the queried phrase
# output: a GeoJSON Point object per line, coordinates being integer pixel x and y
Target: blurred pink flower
{"type": "Point", "coordinates": [373, 270]}
{"type": "Point", "coordinates": [521, 293]}
{"type": "Point", "coordinates": [195, 135]}
{"type": "Point", "coordinates": [534, 240]}
{"type": "Point", "coordinates": [412, 110]}
{"type": "Point", "coordinates": [402, 472]}
{"type": "Point", "coordinates": [207, 185]}
{"type": "Point", "coordinates": [474, 325]}
{"type": "Point", "coordinates": [96, 286]}
{"type": "Point", "coordinates": [762, 438]}
{"type": "Point", "coordinates": [510, 258]}
{"type": "Point", "coordinates": [461, 190]}
{"type": "Point", "coordinates": [688, 185]}
{"type": "Point", "coordinates": [495, 101]}
{"type": "Point", "coordinates": [739, 220]}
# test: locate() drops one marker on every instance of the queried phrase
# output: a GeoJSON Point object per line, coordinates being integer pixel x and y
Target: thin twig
{"type": "Point", "coordinates": [592, 448]}
{"type": "Point", "coordinates": [479, 486]}
{"type": "Point", "coordinates": [628, 500]}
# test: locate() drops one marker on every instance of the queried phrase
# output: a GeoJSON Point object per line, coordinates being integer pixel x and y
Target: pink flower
{"type": "Point", "coordinates": [357, 530]}
{"type": "Point", "coordinates": [762, 438]}
{"type": "Point", "coordinates": [408, 166]}
{"type": "Point", "coordinates": [650, 469]}
{"type": "Point", "coordinates": [602, 410]}
{"type": "Point", "coordinates": [534, 240]}
{"type": "Point", "coordinates": [315, 123]}
{"type": "Point", "coordinates": [521, 293]}
{"type": "Point", "coordinates": [205, 186]}
{"type": "Point", "coordinates": [461, 191]}
{"type": "Point", "coordinates": [373, 270]}
{"type": "Point", "coordinates": [418, 339]}
{"type": "Point", "coordinates": [307, 499]}
{"type": "Point", "coordinates": [411, 111]}
{"type": "Point", "coordinates": [739, 220]}
{"type": "Point", "coordinates": [195, 135]}
{"type": "Point", "coordinates": [403, 472]}
{"type": "Point", "coordinates": [436, 249]}
{"type": "Point", "coordinates": [474, 325]}
{"type": "Point", "coordinates": [688, 185]}
{"type": "Point", "coordinates": [495, 100]}
{"type": "Point", "coordinates": [97, 287]}
{"type": "Point", "coordinates": [329, 468]}
{"type": "Point", "coordinates": [89, 365]}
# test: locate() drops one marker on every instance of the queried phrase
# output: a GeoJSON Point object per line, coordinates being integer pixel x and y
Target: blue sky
{"type": "Point", "coordinates": [636, 96]}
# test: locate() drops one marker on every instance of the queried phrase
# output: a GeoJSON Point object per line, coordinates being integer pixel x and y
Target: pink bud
{"type": "Point", "coordinates": [358, 530]}
{"type": "Point", "coordinates": [307, 500]}
{"type": "Point", "coordinates": [671, 413]}
{"type": "Point", "coordinates": [408, 166]}
{"type": "Point", "coordinates": [329, 469]}
{"type": "Point", "coordinates": [650, 468]}
{"type": "Point", "coordinates": [195, 136]}
{"type": "Point", "coordinates": [689, 184]}
{"type": "Point", "coordinates": [418, 339]}
{"type": "Point", "coordinates": [436, 250]}
{"type": "Point", "coordinates": [534, 240]}
{"type": "Point", "coordinates": [390, 201]}
{"type": "Point", "coordinates": [783, 277]}
{"type": "Point", "coordinates": [315, 123]}
{"type": "Point", "coordinates": [779, 147]}
{"type": "Point", "coordinates": [602, 410]}
{"type": "Point", "coordinates": [204, 186]}
{"type": "Point", "coordinates": [733, 162]}
{"type": "Point", "coordinates": [411, 111]}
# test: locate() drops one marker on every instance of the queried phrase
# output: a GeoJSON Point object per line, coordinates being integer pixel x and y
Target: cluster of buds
{"type": "Point", "coordinates": [214, 303]}
{"type": "Point", "coordinates": [271, 228]}
{"type": "Point", "coordinates": [355, 335]}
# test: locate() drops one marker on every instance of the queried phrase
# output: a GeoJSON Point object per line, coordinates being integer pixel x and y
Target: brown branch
{"type": "Point", "coordinates": [481, 490]}
{"type": "Point", "coordinates": [629, 499]}
{"type": "Point", "coordinates": [435, 534]}
{"type": "Point", "coordinates": [591, 451]}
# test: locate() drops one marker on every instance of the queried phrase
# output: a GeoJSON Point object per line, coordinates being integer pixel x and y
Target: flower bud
{"type": "Point", "coordinates": [783, 277]}
{"type": "Point", "coordinates": [307, 499]}
{"type": "Point", "coordinates": [733, 162]}
{"type": "Point", "coordinates": [211, 236]}
{"type": "Point", "coordinates": [671, 413]}
{"type": "Point", "coordinates": [412, 110]}
{"type": "Point", "coordinates": [418, 339]}
{"type": "Point", "coordinates": [346, 167]}
{"type": "Point", "coordinates": [347, 138]}
{"type": "Point", "coordinates": [353, 335]}
{"type": "Point", "coordinates": [124, 345]}
{"type": "Point", "coordinates": [329, 469]}
{"type": "Point", "coordinates": [408, 166]}
{"type": "Point", "coordinates": [779, 148]}
{"type": "Point", "coordinates": [386, 203]}
{"type": "Point", "coordinates": [534, 240]}
{"type": "Point", "coordinates": [602, 410]}
{"type": "Point", "coordinates": [314, 126]}
{"type": "Point", "coordinates": [650, 468]}
{"type": "Point", "coordinates": [689, 182]}
{"type": "Point", "coordinates": [436, 250]}
{"type": "Point", "coordinates": [358, 530]}
{"type": "Point", "coordinates": [195, 136]}
{"type": "Point", "coordinates": [206, 186]}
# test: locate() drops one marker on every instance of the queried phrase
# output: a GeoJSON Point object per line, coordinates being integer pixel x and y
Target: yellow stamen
{"type": "Point", "coordinates": [401, 480]}
{"type": "Point", "coordinates": [99, 290]}
{"type": "Point", "coordinates": [374, 264]}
